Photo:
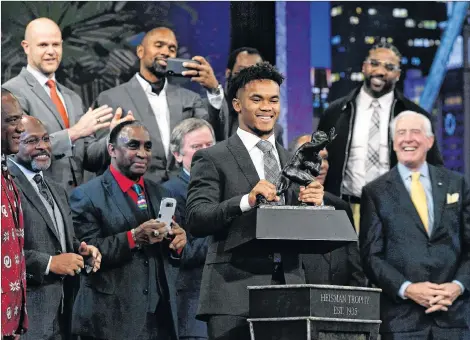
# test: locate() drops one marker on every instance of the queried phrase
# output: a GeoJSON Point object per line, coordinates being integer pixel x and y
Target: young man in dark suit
{"type": "Point", "coordinates": [225, 180]}
{"type": "Point", "coordinates": [415, 240]}
{"type": "Point", "coordinates": [161, 105]}
{"type": "Point", "coordinates": [133, 296]}
{"type": "Point", "coordinates": [53, 253]}
{"type": "Point", "coordinates": [190, 135]}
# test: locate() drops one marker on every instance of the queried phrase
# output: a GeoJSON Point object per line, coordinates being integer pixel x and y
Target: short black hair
{"type": "Point", "coordinates": [6, 92]}
{"type": "Point", "coordinates": [113, 135]}
{"type": "Point", "coordinates": [232, 58]}
{"type": "Point", "coordinates": [387, 46]}
{"type": "Point", "coordinates": [263, 70]}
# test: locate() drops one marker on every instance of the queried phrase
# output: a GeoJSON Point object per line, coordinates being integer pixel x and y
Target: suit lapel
{"type": "Point", "coordinates": [175, 109]}
{"type": "Point", "coordinates": [60, 200]}
{"type": "Point", "coordinates": [399, 194]}
{"type": "Point", "coordinates": [175, 106]}
{"type": "Point", "coordinates": [283, 155]}
{"type": "Point", "coordinates": [145, 114]}
{"type": "Point", "coordinates": [41, 93]}
{"type": "Point", "coordinates": [116, 194]}
{"type": "Point", "coordinates": [32, 196]}
{"type": "Point", "coordinates": [439, 184]}
{"type": "Point", "coordinates": [153, 196]}
{"type": "Point", "coordinates": [243, 159]}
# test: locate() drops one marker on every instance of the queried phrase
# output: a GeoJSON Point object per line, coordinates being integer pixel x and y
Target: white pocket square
{"type": "Point", "coordinates": [452, 198]}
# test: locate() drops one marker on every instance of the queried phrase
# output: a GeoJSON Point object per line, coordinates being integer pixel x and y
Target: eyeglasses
{"type": "Point", "coordinates": [33, 141]}
{"type": "Point", "coordinates": [388, 66]}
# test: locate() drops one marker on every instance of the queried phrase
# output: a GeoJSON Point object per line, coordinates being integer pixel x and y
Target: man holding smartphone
{"type": "Point", "coordinates": [161, 105]}
{"type": "Point", "coordinates": [134, 295]}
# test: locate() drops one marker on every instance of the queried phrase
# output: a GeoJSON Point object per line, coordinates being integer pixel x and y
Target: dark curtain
{"type": "Point", "coordinates": [254, 25]}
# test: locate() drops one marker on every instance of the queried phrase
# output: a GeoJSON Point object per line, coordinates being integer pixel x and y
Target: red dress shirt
{"type": "Point", "coordinates": [14, 317]}
{"type": "Point", "coordinates": [126, 186]}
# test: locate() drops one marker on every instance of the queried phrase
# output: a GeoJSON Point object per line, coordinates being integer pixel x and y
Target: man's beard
{"type": "Point", "coordinates": [158, 70]}
{"type": "Point", "coordinates": [42, 166]}
{"type": "Point", "coordinates": [386, 88]}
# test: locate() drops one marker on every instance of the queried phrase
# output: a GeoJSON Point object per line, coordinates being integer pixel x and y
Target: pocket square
{"type": "Point", "coordinates": [452, 198]}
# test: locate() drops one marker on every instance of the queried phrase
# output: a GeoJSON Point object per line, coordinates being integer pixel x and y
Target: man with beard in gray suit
{"type": "Point", "coordinates": [53, 253]}
{"type": "Point", "coordinates": [160, 105]}
{"type": "Point", "coordinates": [72, 129]}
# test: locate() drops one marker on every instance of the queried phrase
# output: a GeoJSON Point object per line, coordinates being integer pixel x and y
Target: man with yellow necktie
{"type": "Point", "coordinates": [415, 240]}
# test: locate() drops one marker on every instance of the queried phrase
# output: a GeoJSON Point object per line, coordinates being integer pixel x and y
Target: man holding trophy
{"type": "Point", "coordinates": [228, 181]}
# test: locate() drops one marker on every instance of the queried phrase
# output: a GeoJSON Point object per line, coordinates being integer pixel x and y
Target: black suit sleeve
{"type": "Point", "coordinates": [88, 227]}
{"type": "Point", "coordinates": [205, 213]}
{"type": "Point", "coordinates": [463, 271]}
{"type": "Point", "coordinates": [372, 244]}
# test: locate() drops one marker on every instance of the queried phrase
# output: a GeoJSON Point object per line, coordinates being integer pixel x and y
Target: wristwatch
{"type": "Point", "coordinates": [216, 91]}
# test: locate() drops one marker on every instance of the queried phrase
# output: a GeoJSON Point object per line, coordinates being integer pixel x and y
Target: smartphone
{"type": "Point", "coordinates": [174, 66]}
{"type": "Point", "coordinates": [167, 211]}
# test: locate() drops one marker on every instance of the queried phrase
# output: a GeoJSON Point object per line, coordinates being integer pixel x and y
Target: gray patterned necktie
{"type": "Point", "coordinates": [271, 174]}
{"type": "Point", "coordinates": [43, 189]}
{"type": "Point", "coordinates": [271, 168]}
{"type": "Point", "coordinates": [373, 147]}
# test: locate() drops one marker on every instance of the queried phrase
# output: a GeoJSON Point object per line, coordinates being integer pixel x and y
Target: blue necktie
{"type": "Point", "coordinates": [141, 201]}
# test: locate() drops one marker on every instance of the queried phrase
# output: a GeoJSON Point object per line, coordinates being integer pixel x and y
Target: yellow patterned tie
{"type": "Point", "coordinates": [418, 196]}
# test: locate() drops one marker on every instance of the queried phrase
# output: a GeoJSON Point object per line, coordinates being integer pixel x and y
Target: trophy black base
{"type": "Point", "coordinates": [296, 229]}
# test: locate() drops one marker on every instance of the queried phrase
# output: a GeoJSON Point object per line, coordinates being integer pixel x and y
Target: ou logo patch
{"type": "Point", "coordinates": [4, 210]}
{"type": "Point", "coordinates": [7, 261]}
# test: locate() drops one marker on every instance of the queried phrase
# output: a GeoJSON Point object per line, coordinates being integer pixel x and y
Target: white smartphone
{"type": "Point", "coordinates": [167, 211]}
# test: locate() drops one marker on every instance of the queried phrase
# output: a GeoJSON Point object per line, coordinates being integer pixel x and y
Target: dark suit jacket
{"type": "Point", "coordinates": [190, 275]}
{"type": "Point", "coordinates": [220, 176]}
{"type": "Point", "coordinates": [68, 163]}
{"type": "Point", "coordinates": [44, 292]}
{"type": "Point", "coordinates": [340, 267]}
{"type": "Point", "coordinates": [182, 104]}
{"type": "Point", "coordinates": [395, 247]}
{"type": "Point", "coordinates": [113, 303]}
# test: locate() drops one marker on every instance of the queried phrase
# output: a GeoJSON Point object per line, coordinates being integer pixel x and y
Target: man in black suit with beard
{"type": "Point", "coordinates": [225, 180]}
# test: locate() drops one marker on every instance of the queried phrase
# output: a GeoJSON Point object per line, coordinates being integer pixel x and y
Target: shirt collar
{"type": "Point", "coordinates": [28, 173]}
{"type": "Point", "coordinates": [40, 77]}
{"type": "Point", "coordinates": [405, 173]}
{"type": "Point", "coordinates": [384, 101]}
{"type": "Point", "coordinates": [125, 183]}
{"type": "Point", "coordinates": [250, 140]}
{"type": "Point", "coordinates": [148, 89]}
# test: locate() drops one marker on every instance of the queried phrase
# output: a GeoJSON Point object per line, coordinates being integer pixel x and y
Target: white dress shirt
{"type": "Point", "coordinates": [355, 174]}
{"type": "Point", "coordinates": [257, 157]}
{"type": "Point", "coordinates": [159, 105]}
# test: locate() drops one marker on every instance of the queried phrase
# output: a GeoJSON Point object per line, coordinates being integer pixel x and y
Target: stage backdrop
{"type": "Point", "coordinates": [100, 37]}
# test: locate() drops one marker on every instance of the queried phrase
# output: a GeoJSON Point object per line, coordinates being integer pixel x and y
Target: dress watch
{"type": "Point", "coordinates": [216, 91]}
